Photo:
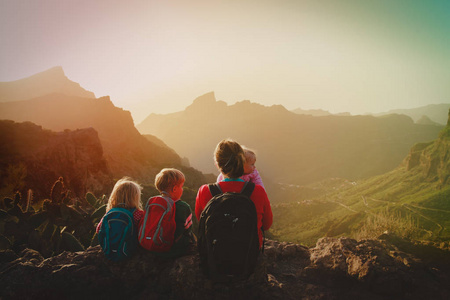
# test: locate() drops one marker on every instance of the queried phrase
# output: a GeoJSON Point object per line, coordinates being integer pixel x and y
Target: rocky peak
{"type": "Point", "coordinates": [55, 73]}
{"type": "Point", "coordinates": [206, 101]}
{"type": "Point", "coordinates": [50, 81]}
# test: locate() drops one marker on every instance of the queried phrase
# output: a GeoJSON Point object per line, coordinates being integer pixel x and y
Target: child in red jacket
{"type": "Point", "coordinates": [170, 182]}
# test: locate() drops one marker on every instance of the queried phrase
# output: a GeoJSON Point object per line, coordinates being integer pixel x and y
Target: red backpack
{"type": "Point", "coordinates": [157, 230]}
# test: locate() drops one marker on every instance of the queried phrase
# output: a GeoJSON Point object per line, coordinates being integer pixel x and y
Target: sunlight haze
{"type": "Point", "coordinates": [158, 56]}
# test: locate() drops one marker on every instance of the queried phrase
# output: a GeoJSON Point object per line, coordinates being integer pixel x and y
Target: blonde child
{"type": "Point", "coordinates": [169, 182]}
{"type": "Point", "coordinates": [251, 174]}
{"type": "Point", "coordinates": [126, 194]}
{"type": "Point", "coordinates": [117, 230]}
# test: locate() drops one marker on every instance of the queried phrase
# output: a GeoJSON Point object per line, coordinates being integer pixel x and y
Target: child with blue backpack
{"type": "Point", "coordinates": [117, 231]}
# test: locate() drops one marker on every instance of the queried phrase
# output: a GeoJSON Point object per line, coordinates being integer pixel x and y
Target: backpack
{"type": "Point", "coordinates": [117, 235]}
{"type": "Point", "coordinates": [157, 231]}
{"type": "Point", "coordinates": [228, 241]}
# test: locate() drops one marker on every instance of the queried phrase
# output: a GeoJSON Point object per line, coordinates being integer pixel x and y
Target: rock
{"type": "Point", "coordinates": [75, 155]}
{"type": "Point", "coordinates": [334, 269]}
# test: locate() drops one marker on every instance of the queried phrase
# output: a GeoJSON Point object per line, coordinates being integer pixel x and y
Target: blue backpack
{"type": "Point", "coordinates": [117, 235]}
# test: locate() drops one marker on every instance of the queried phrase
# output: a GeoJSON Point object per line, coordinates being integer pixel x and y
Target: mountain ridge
{"type": "Point", "coordinates": [435, 112]}
{"type": "Point", "coordinates": [336, 144]}
{"type": "Point", "coordinates": [49, 81]}
{"type": "Point", "coordinates": [125, 149]}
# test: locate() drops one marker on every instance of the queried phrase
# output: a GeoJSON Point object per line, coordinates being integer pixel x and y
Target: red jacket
{"type": "Point", "coordinates": [259, 198]}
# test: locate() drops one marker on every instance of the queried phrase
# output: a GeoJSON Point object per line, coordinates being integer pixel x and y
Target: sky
{"type": "Point", "coordinates": [151, 56]}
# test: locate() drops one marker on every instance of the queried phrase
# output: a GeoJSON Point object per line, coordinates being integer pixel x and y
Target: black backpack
{"type": "Point", "coordinates": [228, 240]}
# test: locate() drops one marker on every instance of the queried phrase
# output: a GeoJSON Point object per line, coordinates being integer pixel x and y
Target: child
{"type": "Point", "coordinates": [117, 230]}
{"type": "Point", "coordinates": [126, 194]}
{"type": "Point", "coordinates": [250, 172]}
{"type": "Point", "coordinates": [169, 182]}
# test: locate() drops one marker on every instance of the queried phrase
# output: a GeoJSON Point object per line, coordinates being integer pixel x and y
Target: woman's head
{"type": "Point", "coordinates": [126, 193]}
{"type": "Point", "coordinates": [230, 158]}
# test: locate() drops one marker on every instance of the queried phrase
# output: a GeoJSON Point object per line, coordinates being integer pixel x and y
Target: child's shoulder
{"type": "Point", "coordinates": [182, 203]}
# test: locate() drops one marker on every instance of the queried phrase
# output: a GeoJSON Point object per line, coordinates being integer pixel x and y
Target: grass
{"type": "Point", "coordinates": [386, 221]}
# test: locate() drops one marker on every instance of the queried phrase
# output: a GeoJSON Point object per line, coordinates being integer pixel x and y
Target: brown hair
{"type": "Point", "coordinates": [230, 158]}
{"type": "Point", "coordinates": [167, 178]}
{"type": "Point", "coordinates": [126, 193]}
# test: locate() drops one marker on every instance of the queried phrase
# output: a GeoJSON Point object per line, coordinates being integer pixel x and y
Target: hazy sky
{"type": "Point", "coordinates": [158, 56]}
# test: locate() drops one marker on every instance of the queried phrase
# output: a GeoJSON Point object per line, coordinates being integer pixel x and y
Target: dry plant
{"type": "Point", "coordinates": [378, 223]}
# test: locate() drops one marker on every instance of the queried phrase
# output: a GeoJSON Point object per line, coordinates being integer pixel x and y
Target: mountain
{"type": "Point", "coordinates": [126, 151]}
{"type": "Point", "coordinates": [291, 148]}
{"type": "Point", "coordinates": [50, 81]}
{"type": "Point", "coordinates": [317, 112]}
{"type": "Point", "coordinates": [385, 268]}
{"type": "Point", "coordinates": [435, 112]}
{"type": "Point", "coordinates": [312, 112]}
{"type": "Point", "coordinates": [34, 158]}
{"type": "Point", "coordinates": [424, 120]}
{"type": "Point", "coordinates": [411, 200]}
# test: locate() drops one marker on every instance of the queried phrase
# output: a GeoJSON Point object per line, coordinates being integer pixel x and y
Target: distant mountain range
{"type": "Point", "coordinates": [412, 199]}
{"type": "Point", "coordinates": [127, 152]}
{"type": "Point", "coordinates": [48, 82]}
{"type": "Point", "coordinates": [291, 148]}
{"type": "Point", "coordinates": [435, 112]}
{"type": "Point", "coordinates": [317, 112]}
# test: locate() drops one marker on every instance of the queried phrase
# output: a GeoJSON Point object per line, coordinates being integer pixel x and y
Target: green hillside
{"type": "Point", "coordinates": [412, 200]}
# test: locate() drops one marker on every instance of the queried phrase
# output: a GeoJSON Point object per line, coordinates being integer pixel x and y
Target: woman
{"type": "Point", "coordinates": [229, 158]}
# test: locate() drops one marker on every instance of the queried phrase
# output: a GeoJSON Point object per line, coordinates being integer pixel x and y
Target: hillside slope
{"type": "Point", "coordinates": [412, 199]}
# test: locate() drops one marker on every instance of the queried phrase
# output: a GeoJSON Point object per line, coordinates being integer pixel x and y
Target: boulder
{"type": "Point", "coordinates": [336, 268]}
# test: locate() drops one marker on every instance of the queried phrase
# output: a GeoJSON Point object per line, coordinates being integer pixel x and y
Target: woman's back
{"type": "Point", "coordinates": [259, 198]}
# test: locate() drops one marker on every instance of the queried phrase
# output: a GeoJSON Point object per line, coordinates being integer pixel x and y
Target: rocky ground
{"type": "Point", "coordinates": [386, 268]}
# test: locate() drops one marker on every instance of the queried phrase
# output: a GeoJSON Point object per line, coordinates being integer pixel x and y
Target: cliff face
{"type": "Point", "coordinates": [125, 149]}
{"type": "Point", "coordinates": [432, 159]}
{"type": "Point", "coordinates": [39, 157]}
{"type": "Point", "coordinates": [387, 268]}
{"type": "Point", "coordinates": [52, 102]}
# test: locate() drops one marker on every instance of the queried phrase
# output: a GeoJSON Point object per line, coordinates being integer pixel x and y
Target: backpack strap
{"type": "Point", "coordinates": [214, 189]}
{"type": "Point", "coordinates": [169, 200]}
{"type": "Point", "coordinates": [248, 188]}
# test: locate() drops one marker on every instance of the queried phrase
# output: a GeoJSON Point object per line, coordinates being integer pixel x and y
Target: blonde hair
{"type": "Point", "coordinates": [249, 153]}
{"type": "Point", "coordinates": [230, 159]}
{"type": "Point", "coordinates": [126, 193]}
{"type": "Point", "coordinates": [167, 178]}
